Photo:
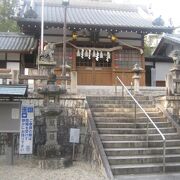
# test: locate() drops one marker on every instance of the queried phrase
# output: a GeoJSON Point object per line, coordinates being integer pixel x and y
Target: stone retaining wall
{"type": "Point", "coordinates": [172, 105]}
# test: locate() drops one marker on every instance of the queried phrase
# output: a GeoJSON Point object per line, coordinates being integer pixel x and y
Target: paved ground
{"type": "Point", "coordinates": [167, 176]}
{"type": "Point", "coordinates": [25, 169]}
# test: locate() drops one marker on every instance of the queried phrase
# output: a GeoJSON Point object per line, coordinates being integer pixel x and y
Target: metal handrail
{"type": "Point", "coordinates": [150, 120]}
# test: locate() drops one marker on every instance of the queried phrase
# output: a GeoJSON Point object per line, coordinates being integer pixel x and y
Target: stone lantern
{"type": "Point", "coordinates": [173, 86]}
{"type": "Point", "coordinates": [175, 72]}
{"type": "Point", "coordinates": [136, 77]}
{"type": "Point", "coordinates": [50, 152]}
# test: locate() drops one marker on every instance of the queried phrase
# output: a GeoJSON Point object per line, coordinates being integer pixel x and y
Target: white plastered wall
{"type": "Point", "coordinates": [162, 69]}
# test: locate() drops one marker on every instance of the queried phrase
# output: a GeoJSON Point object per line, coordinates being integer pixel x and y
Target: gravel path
{"type": "Point", "coordinates": [24, 169]}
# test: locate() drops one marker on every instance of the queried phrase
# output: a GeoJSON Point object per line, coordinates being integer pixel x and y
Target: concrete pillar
{"type": "Point", "coordinates": [176, 109]}
{"type": "Point", "coordinates": [9, 149]}
{"type": "Point", "coordinates": [136, 79]}
{"type": "Point", "coordinates": [37, 83]}
{"type": "Point", "coordinates": [137, 71]}
{"type": "Point", "coordinates": [169, 84]}
{"type": "Point", "coordinates": [153, 77]}
{"type": "Point", "coordinates": [74, 82]}
{"type": "Point", "coordinates": [15, 75]}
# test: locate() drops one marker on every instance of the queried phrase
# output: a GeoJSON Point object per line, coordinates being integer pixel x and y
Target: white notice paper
{"type": "Point", "coordinates": [74, 135]}
{"type": "Point", "coordinates": [15, 113]}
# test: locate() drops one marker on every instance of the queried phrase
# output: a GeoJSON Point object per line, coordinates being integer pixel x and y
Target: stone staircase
{"type": "Point", "coordinates": [124, 138]}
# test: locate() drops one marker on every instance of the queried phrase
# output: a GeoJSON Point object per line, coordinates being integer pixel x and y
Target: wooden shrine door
{"type": "Point", "coordinates": [93, 72]}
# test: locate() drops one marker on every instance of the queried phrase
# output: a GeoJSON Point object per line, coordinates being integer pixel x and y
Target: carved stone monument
{"type": "Point", "coordinates": [48, 53]}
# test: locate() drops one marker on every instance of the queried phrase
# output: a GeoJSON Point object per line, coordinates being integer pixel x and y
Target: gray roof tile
{"type": "Point", "coordinates": [166, 39]}
{"type": "Point", "coordinates": [17, 42]}
{"type": "Point", "coordinates": [94, 16]}
{"type": "Point", "coordinates": [172, 37]}
{"type": "Point", "coordinates": [13, 90]}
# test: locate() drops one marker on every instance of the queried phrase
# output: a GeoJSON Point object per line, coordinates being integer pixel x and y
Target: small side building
{"type": "Point", "coordinates": [17, 52]}
{"type": "Point", "coordinates": [159, 64]}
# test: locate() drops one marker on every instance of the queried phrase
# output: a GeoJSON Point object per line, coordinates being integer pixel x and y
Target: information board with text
{"type": "Point", "coordinates": [26, 129]}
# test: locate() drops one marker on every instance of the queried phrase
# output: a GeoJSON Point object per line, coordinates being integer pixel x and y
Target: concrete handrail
{"type": "Point", "coordinates": [150, 120]}
{"type": "Point", "coordinates": [98, 144]}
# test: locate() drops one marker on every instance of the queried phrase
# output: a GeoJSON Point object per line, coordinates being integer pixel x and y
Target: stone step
{"type": "Point", "coordinates": [127, 105]}
{"type": "Point", "coordinates": [141, 151]}
{"type": "Point", "coordinates": [136, 144]}
{"type": "Point", "coordinates": [143, 159]}
{"type": "Point", "coordinates": [129, 114]}
{"type": "Point", "coordinates": [124, 137]}
{"type": "Point", "coordinates": [134, 130]}
{"type": "Point", "coordinates": [130, 125]}
{"type": "Point", "coordinates": [128, 119]}
{"type": "Point", "coordinates": [92, 98]}
{"type": "Point", "coordinates": [144, 168]}
{"type": "Point", "coordinates": [124, 102]}
{"type": "Point", "coordinates": [137, 137]}
{"type": "Point", "coordinates": [126, 110]}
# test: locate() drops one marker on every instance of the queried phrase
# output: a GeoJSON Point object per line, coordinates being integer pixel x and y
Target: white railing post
{"type": "Point", "coordinates": [149, 120]}
{"type": "Point", "coordinates": [164, 155]}
{"type": "Point", "coordinates": [116, 86]}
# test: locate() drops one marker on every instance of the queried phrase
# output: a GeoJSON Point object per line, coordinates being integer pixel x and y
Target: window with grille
{"type": "Point", "coordinates": [85, 61]}
{"type": "Point", "coordinates": [103, 62]}
{"type": "Point", "coordinates": [126, 59]}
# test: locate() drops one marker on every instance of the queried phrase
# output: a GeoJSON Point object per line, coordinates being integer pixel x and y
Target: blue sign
{"type": "Point", "coordinates": [26, 129]}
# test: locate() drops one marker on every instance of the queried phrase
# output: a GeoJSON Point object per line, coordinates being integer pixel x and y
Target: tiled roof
{"type": "Point", "coordinates": [17, 42]}
{"type": "Point", "coordinates": [13, 90]}
{"type": "Point", "coordinates": [120, 16]}
{"type": "Point", "coordinates": [173, 38]}
{"type": "Point", "coordinates": [167, 39]}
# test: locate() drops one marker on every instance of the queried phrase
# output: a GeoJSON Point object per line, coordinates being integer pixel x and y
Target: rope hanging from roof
{"type": "Point", "coordinates": [126, 44]}
{"type": "Point", "coordinates": [96, 49]}
{"type": "Point", "coordinates": [103, 49]}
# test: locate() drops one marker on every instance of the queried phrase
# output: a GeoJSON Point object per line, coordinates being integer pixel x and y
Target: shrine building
{"type": "Point", "coordinates": [103, 40]}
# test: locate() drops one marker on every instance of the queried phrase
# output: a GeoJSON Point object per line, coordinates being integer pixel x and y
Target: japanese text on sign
{"type": "Point", "coordinates": [26, 129]}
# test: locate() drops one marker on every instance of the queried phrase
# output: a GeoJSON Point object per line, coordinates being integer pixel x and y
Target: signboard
{"type": "Point", "coordinates": [10, 116]}
{"type": "Point", "coordinates": [74, 135]}
{"type": "Point", "coordinates": [26, 129]}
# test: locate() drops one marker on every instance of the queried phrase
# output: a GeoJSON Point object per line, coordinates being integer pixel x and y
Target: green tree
{"type": "Point", "coordinates": [6, 13]}
{"type": "Point", "coordinates": [147, 50]}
